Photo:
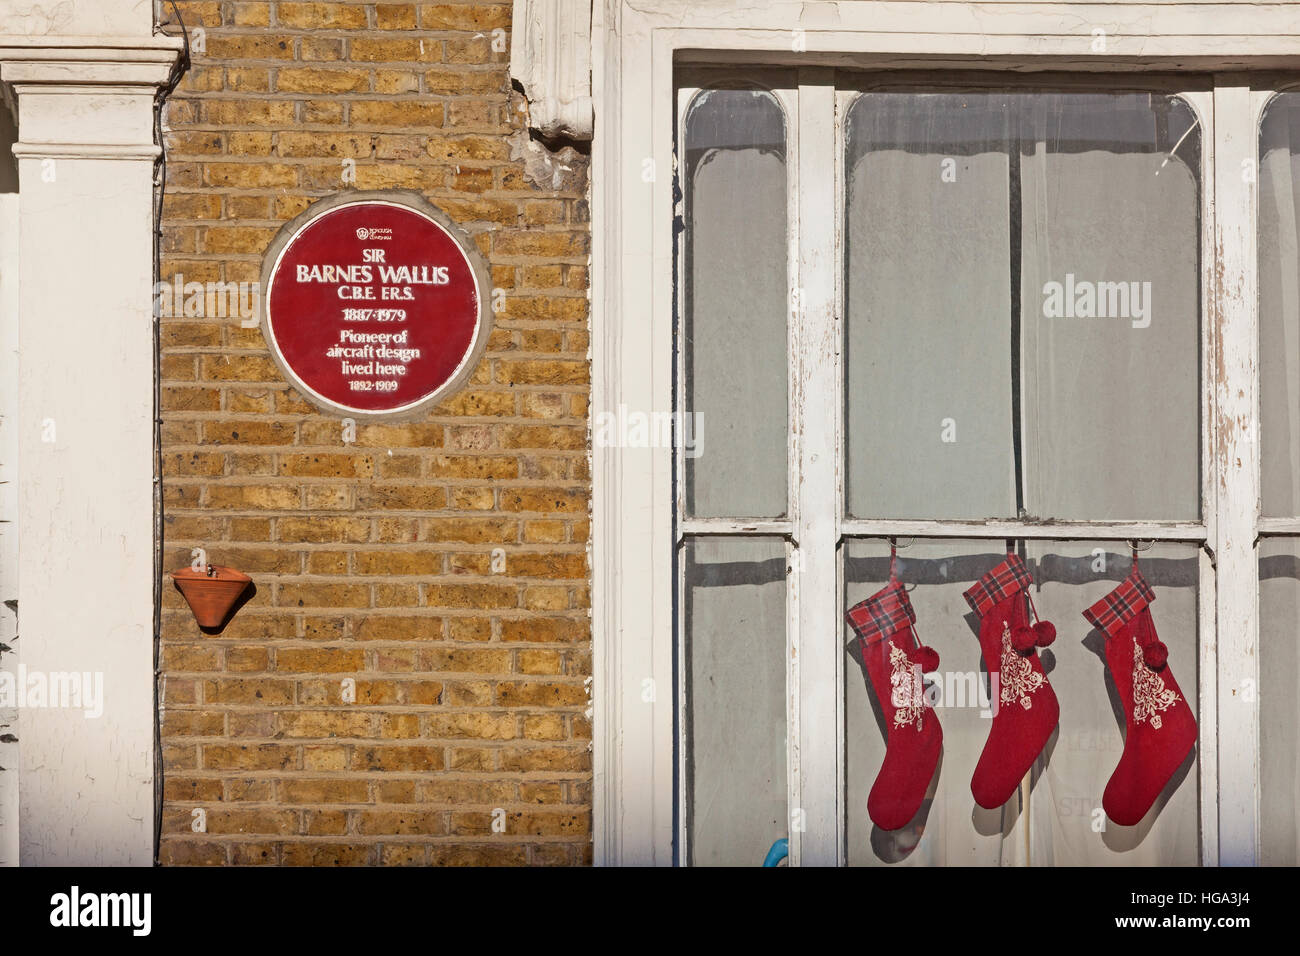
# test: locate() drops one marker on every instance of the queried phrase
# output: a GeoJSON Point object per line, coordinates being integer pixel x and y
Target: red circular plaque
{"type": "Point", "coordinates": [374, 306]}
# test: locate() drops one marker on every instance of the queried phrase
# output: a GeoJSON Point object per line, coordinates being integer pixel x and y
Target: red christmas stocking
{"type": "Point", "coordinates": [894, 664]}
{"type": "Point", "coordinates": [1024, 706]}
{"type": "Point", "coordinates": [1159, 729]}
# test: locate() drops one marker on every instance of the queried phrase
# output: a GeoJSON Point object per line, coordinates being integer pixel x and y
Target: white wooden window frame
{"type": "Point", "coordinates": [637, 54]}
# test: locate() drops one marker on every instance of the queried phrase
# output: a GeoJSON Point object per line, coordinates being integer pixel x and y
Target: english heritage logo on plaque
{"type": "Point", "coordinates": [376, 304]}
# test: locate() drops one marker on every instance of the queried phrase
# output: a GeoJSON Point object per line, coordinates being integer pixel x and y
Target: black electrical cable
{"type": "Point", "coordinates": [160, 186]}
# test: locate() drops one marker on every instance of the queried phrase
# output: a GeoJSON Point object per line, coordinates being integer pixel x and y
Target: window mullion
{"type": "Point", "coordinates": [815, 830]}
{"type": "Point", "coordinates": [1207, 709]}
{"type": "Point", "coordinates": [1233, 425]}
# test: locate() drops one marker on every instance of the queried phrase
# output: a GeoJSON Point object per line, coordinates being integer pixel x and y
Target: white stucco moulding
{"type": "Point", "coordinates": [550, 56]}
{"type": "Point", "coordinates": [100, 83]}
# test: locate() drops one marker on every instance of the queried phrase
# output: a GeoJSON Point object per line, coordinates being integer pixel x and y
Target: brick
{"type": "Point", "coordinates": [377, 49]}
{"type": "Point", "coordinates": [413, 497]}
{"type": "Point", "coordinates": [545, 758]}
{"type": "Point", "coordinates": [250, 14]}
{"type": "Point", "coordinates": [541, 244]}
{"type": "Point", "coordinates": [405, 759]}
{"type": "Point", "coordinates": [193, 723]}
{"type": "Point", "coordinates": [540, 694]}
{"type": "Point", "coordinates": [464, 16]}
{"type": "Point", "coordinates": [313, 80]}
{"type": "Point", "coordinates": [249, 757]}
{"type": "Point", "coordinates": [254, 854]}
{"type": "Point", "coordinates": [324, 823]}
{"type": "Point", "coordinates": [191, 853]}
{"type": "Point", "coordinates": [541, 662]}
{"type": "Point", "coordinates": [251, 821]}
{"type": "Point", "coordinates": [572, 565]}
{"type": "Point", "coordinates": [481, 792]}
{"type": "Point", "coordinates": [544, 727]}
{"type": "Point", "coordinates": [544, 630]}
{"type": "Point", "coordinates": [191, 790]}
{"type": "Point", "coordinates": [246, 143]}
{"type": "Point", "coordinates": [478, 725]}
{"type": "Point", "coordinates": [248, 47]}
{"type": "Point", "coordinates": [315, 723]}
{"type": "Point", "coordinates": [395, 16]}
{"type": "Point", "coordinates": [474, 467]}
{"type": "Point", "coordinates": [472, 596]}
{"type": "Point", "coordinates": [471, 530]}
{"type": "Point", "coordinates": [425, 822]}
{"type": "Point", "coordinates": [320, 16]}
{"type": "Point", "coordinates": [396, 82]}
{"type": "Point", "coordinates": [398, 562]}
{"type": "Point", "coordinates": [400, 726]}
{"type": "Point", "coordinates": [543, 436]}
{"type": "Point", "coordinates": [402, 854]}
{"type": "Point", "coordinates": [318, 660]}
{"type": "Point", "coordinates": [256, 80]}
{"type": "Point", "coordinates": [456, 148]}
{"type": "Point", "coordinates": [388, 113]}
{"type": "Point", "coordinates": [324, 595]}
{"type": "Point", "coordinates": [327, 466]}
{"type": "Point", "coordinates": [320, 48]}
{"type": "Point", "coordinates": [246, 113]}
{"type": "Point", "coordinates": [322, 529]}
{"type": "Point", "coordinates": [326, 854]}
{"type": "Point", "coordinates": [549, 500]}
{"type": "Point", "coordinates": [266, 692]}
{"type": "Point", "coordinates": [252, 496]}
{"type": "Point", "coordinates": [477, 855]}
{"type": "Point", "coordinates": [479, 404]}
{"type": "Point", "coordinates": [325, 790]}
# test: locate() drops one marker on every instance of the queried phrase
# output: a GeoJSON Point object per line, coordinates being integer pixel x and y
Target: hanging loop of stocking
{"type": "Point", "coordinates": [1025, 638]}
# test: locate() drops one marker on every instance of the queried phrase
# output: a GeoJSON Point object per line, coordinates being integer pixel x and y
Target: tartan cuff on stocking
{"type": "Point", "coordinates": [1121, 605]}
{"type": "Point", "coordinates": [886, 611]}
{"type": "Point", "coordinates": [1008, 578]}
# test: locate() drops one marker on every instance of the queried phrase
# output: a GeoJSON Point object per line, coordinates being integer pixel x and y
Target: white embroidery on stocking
{"type": "Point", "coordinates": [906, 692]}
{"type": "Point", "coordinates": [1150, 695]}
{"type": "Point", "coordinates": [1016, 675]}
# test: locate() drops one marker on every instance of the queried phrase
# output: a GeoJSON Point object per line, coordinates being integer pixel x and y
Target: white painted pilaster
{"type": "Point", "coordinates": [85, 440]}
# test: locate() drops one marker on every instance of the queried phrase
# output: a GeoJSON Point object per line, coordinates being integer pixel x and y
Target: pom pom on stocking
{"type": "Point", "coordinates": [1045, 633]}
{"type": "Point", "coordinates": [1023, 639]}
{"type": "Point", "coordinates": [926, 657]}
{"type": "Point", "coordinates": [1155, 655]}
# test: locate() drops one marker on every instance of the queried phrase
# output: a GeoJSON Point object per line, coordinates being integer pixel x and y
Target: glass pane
{"type": "Point", "coordinates": [1068, 779]}
{"type": "Point", "coordinates": [928, 306]}
{"type": "Point", "coordinates": [1279, 701]}
{"type": "Point", "coordinates": [1111, 291]}
{"type": "Point", "coordinates": [1066, 803]}
{"type": "Point", "coordinates": [949, 829]}
{"type": "Point", "coordinates": [1023, 301]}
{"type": "Point", "coordinates": [737, 304]}
{"type": "Point", "coordinates": [735, 673]}
{"type": "Point", "coordinates": [1279, 306]}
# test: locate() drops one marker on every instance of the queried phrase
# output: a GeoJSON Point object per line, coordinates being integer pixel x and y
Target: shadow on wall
{"type": "Point", "coordinates": [8, 165]}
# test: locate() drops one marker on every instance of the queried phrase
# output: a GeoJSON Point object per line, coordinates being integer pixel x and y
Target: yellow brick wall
{"type": "Point", "coordinates": [373, 560]}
